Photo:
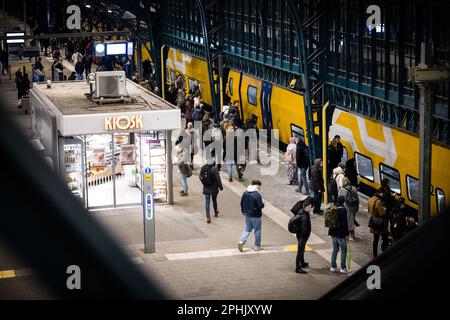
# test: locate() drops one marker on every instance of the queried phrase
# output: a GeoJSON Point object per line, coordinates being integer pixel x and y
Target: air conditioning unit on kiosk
{"type": "Point", "coordinates": [110, 84]}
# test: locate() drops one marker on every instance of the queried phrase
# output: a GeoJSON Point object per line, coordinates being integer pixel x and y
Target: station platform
{"type": "Point", "coordinates": [196, 260]}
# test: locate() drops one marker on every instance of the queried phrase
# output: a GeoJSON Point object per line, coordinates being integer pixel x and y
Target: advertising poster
{"type": "Point", "coordinates": [98, 158]}
{"type": "Point", "coordinates": [127, 154]}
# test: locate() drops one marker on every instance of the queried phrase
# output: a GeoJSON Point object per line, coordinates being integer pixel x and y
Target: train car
{"type": "Point", "coordinates": [380, 151]}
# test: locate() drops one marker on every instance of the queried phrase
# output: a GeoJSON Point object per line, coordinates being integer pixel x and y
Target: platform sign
{"type": "Point", "coordinates": [149, 210]}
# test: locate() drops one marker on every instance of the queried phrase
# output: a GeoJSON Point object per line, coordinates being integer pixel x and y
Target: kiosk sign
{"type": "Point", "coordinates": [123, 123]}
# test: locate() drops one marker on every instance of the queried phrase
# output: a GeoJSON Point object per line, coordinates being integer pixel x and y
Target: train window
{"type": "Point", "coordinates": [412, 185]}
{"type": "Point", "coordinates": [364, 166]}
{"type": "Point", "coordinates": [173, 76]}
{"type": "Point", "coordinates": [344, 155]}
{"type": "Point", "coordinates": [393, 176]}
{"type": "Point", "coordinates": [230, 86]}
{"type": "Point", "coordinates": [440, 200]}
{"type": "Point", "coordinates": [251, 95]}
{"type": "Point", "coordinates": [297, 132]}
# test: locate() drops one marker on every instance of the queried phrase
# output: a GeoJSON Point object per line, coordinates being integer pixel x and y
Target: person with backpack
{"type": "Point", "coordinates": [339, 233]}
{"type": "Point", "coordinates": [378, 221]}
{"type": "Point", "coordinates": [251, 206]}
{"type": "Point", "coordinates": [302, 160]}
{"type": "Point", "coordinates": [335, 152]}
{"type": "Point", "coordinates": [335, 182]}
{"type": "Point", "coordinates": [210, 178]}
{"type": "Point", "coordinates": [351, 204]}
{"type": "Point", "coordinates": [316, 185]}
{"type": "Point", "coordinates": [300, 224]}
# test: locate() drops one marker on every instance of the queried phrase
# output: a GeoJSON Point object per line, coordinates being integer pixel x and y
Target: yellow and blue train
{"type": "Point", "coordinates": [380, 151]}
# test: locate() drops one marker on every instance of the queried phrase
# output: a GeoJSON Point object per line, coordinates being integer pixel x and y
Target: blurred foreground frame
{"type": "Point", "coordinates": [50, 229]}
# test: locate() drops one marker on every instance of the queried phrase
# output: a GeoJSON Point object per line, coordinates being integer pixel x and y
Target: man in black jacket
{"type": "Point", "coordinates": [211, 187]}
{"type": "Point", "coordinates": [303, 233]}
{"type": "Point", "coordinates": [302, 158]}
{"type": "Point", "coordinates": [339, 235]}
{"type": "Point", "coordinates": [316, 185]}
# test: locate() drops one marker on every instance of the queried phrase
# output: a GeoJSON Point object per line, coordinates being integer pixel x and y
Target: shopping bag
{"type": "Point", "coordinates": [348, 257]}
{"type": "Point", "coordinates": [19, 103]}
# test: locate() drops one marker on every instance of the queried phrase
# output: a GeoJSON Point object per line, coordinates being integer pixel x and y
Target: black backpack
{"type": "Point", "coordinates": [332, 185]}
{"type": "Point", "coordinates": [206, 176]}
{"type": "Point", "coordinates": [294, 224]}
{"type": "Point", "coordinates": [197, 115]}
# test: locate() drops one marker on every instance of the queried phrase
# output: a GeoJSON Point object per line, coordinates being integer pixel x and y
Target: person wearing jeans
{"type": "Point", "coordinates": [251, 205]}
{"type": "Point", "coordinates": [211, 184]}
{"type": "Point", "coordinates": [339, 235]}
{"type": "Point", "coordinates": [302, 160]}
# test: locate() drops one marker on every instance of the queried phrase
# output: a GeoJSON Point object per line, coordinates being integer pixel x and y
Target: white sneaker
{"type": "Point", "coordinates": [344, 271]}
{"type": "Point", "coordinates": [333, 269]}
{"type": "Point", "coordinates": [241, 246]}
{"type": "Point", "coordinates": [258, 248]}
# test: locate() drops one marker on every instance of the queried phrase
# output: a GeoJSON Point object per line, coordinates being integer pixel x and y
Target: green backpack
{"type": "Point", "coordinates": [331, 217]}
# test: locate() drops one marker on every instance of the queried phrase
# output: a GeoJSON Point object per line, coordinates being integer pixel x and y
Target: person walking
{"type": "Point", "coordinates": [303, 233]}
{"type": "Point", "coordinates": [290, 158]}
{"type": "Point", "coordinates": [79, 69]}
{"type": "Point", "coordinates": [190, 130]}
{"type": "Point", "coordinates": [251, 206]}
{"type": "Point", "coordinates": [210, 178]}
{"type": "Point", "coordinates": [339, 234]}
{"type": "Point", "coordinates": [316, 185]}
{"type": "Point", "coordinates": [351, 204]}
{"type": "Point", "coordinates": [302, 160]}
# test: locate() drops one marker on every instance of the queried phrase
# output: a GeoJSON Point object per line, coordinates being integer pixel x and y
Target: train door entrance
{"type": "Point", "coordinates": [266, 111]}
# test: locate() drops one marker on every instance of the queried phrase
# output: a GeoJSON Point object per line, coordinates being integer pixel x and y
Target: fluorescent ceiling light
{"type": "Point", "coordinates": [15, 41]}
{"type": "Point", "coordinates": [88, 6]}
{"type": "Point", "coordinates": [16, 34]}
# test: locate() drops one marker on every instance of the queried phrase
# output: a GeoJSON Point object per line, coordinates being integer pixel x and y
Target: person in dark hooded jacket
{"type": "Point", "coordinates": [316, 185]}
{"type": "Point", "coordinates": [302, 159]}
{"type": "Point", "coordinates": [212, 190]}
{"type": "Point", "coordinates": [339, 236]}
{"type": "Point", "coordinates": [303, 233]}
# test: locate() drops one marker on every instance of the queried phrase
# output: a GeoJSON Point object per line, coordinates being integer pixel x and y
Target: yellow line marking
{"type": "Point", "coordinates": [5, 274]}
{"type": "Point", "coordinates": [293, 247]}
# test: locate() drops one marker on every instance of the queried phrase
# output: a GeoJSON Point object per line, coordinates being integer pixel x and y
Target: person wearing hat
{"type": "Point", "coordinates": [339, 237]}
{"type": "Point", "coordinates": [302, 208]}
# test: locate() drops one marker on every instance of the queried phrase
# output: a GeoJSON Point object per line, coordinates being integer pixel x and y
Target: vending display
{"type": "Point", "coordinates": [151, 152]}
{"type": "Point", "coordinates": [71, 164]}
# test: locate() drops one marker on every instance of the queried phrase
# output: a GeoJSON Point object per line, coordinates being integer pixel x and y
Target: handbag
{"type": "Point", "coordinates": [376, 222]}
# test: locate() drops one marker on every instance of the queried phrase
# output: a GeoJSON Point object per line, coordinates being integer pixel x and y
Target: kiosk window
{"type": "Point", "coordinates": [440, 199]}
{"type": "Point", "coordinates": [364, 166]}
{"type": "Point", "coordinates": [412, 185]}
{"type": "Point", "coordinates": [251, 95]}
{"type": "Point", "coordinates": [393, 176]}
{"type": "Point", "coordinates": [297, 132]}
{"type": "Point", "coordinates": [230, 86]}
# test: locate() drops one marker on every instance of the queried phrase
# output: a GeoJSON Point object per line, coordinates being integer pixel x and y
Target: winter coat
{"type": "Point", "coordinates": [351, 173]}
{"type": "Point", "coordinates": [188, 110]}
{"type": "Point", "coordinates": [339, 175]}
{"type": "Point", "coordinates": [301, 155]}
{"type": "Point", "coordinates": [343, 192]}
{"type": "Point", "coordinates": [79, 68]}
{"type": "Point", "coordinates": [251, 202]}
{"type": "Point", "coordinates": [316, 182]}
{"type": "Point", "coordinates": [335, 155]}
{"type": "Point", "coordinates": [304, 224]}
{"type": "Point", "coordinates": [290, 150]}
{"type": "Point", "coordinates": [342, 230]}
{"type": "Point", "coordinates": [217, 184]}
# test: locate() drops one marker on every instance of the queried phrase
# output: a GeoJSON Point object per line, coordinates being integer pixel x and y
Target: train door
{"type": "Point", "coordinates": [266, 95]}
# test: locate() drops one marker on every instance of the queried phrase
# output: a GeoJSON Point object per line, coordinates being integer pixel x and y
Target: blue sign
{"type": "Point", "coordinates": [148, 170]}
{"type": "Point", "coordinates": [149, 206]}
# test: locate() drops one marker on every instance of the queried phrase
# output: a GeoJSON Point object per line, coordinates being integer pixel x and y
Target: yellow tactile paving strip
{"type": "Point", "coordinates": [6, 274]}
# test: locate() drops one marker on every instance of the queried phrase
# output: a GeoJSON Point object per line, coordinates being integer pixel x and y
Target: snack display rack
{"type": "Point", "coordinates": [72, 164]}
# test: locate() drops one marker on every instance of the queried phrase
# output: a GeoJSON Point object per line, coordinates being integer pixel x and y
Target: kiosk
{"type": "Point", "coordinates": [101, 150]}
